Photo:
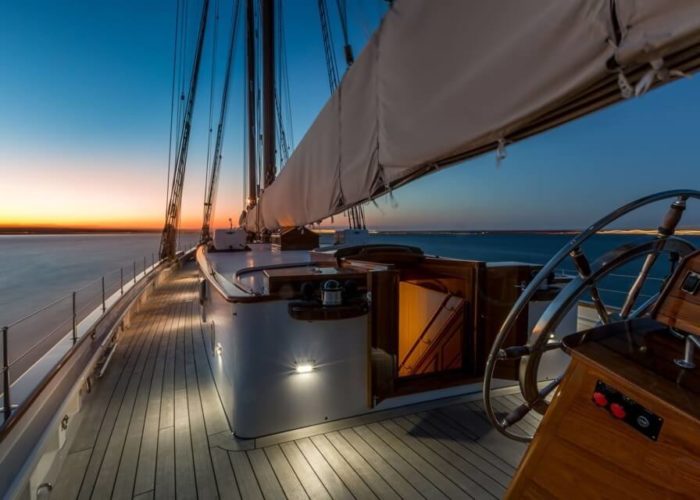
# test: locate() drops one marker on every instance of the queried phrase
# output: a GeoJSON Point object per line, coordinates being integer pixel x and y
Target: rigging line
{"type": "Point", "coordinates": [211, 95]}
{"type": "Point", "coordinates": [328, 49]}
{"type": "Point", "coordinates": [172, 102]}
{"type": "Point", "coordinates": [173, 213]}
{"type": "Point", "coordinates": [216, 160]}
{"type": "Point", "coordinates": [347, 48]}
{"type": "Point", "coordinates": [285, 83]}
{"type": "Point", "coordinates": [181, 70]}
{"type": "Point", "coordinates": [258, 99]}
{"type": "Point", "coordinates": [283, 145]}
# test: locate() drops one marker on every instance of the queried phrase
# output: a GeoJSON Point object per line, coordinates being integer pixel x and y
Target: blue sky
{"type": "Point", "coordinates": [84, 116]}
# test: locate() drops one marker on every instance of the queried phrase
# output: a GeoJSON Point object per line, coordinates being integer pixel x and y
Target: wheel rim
{"type": "Point", "coordinates": [528, 382]}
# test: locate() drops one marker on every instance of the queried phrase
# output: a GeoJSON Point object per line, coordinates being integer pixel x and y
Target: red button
{"type": "Point", "coordinates": [600, 399]}
{"type": "Point", "coordinates": [618, 411]}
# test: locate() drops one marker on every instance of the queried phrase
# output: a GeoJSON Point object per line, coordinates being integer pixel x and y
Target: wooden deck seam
{"type": "Point", "coordinates": [129, 399]}
{"type": "Point", "coordinates": [357, 471]}
{"type": "Point", "coordinates": [411, 480]}
{"type": "Point", "coordinates": [170, 325]}
{"type": "Point", "coordinates": [157, 375]}
{"type": "Point", "coordinates": [447, 484]}
{"type": "Point", "coordinates": [117, 394]}
{"type": "Point", "coordinates": [372, 466]}
{"type": "Point", "coordinates": [334, 469]}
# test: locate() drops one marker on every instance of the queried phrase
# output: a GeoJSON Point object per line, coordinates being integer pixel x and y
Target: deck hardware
{"type": "Point", "coordinates": [64, 422]}
{"type": "Point", "coordinates": [43, 487]}
{"type": "Point", "coordinates": [687, 362]}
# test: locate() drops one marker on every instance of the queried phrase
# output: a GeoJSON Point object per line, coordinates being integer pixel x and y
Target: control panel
{"type": "Point", "coordinates": [627, 410]}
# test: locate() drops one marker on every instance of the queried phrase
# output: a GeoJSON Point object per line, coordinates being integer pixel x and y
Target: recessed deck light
{"type": "Point", "coordinates": [305, 367]}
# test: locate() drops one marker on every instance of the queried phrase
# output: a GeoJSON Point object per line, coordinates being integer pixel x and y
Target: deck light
{"type": "Point", "coordinates": [305, 367]}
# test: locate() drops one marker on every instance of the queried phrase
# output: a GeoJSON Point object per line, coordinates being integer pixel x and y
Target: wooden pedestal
{"type": "Point", "coordinates": [582, 451]}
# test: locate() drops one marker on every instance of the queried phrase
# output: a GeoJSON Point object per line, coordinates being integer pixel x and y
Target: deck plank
{"type": "Point", "coordinates": [342, 468]}
{"type": "Point", "coordinates": [212, 407]}
{"type": "Point", "coordinates": [157, 421]}
{"type": "Point", "coordinates": [247, 482]}
{"type": "Point", "coordinates": [464, 463]}
{"type": "Point", "coordinates": [308, 478]}
{"type": "Point", "coordinates": [165, 465]}
{"type": "Point", "coordinates": [285, 474]}
{"type": "Point", "coordinates": [463, 445]}
{"type": "Point", "coordinates": [443, 478]}
{"type": "Point", "coordinates": [203, 468]}
{"type": "Point", "coordinates": [383, 468]}
{"type": "Point", "coordinates": [463, 418]}
{"type": "Point", "coordinates": [399, 462]}
{"type": "Point", "coordinates": [378, 485]}
{"type": "Point", "coordinates": [267, 480]}
{"type": "Point", "coordinates": [110, 418]}
{"type": "Point", "coordinates": [146, 461]}
{"type": "Point", "coordinates": [185, 481]}
{"type": "Point", "coordinates": [225, 478]}
{"type": "Point", "coordinates": [126, 435]}
{"type": "Point", "coordinates": [335, 486]}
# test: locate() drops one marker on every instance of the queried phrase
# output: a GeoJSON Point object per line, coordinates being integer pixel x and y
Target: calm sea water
{"type": "Point", "coordinates": [38, 269]}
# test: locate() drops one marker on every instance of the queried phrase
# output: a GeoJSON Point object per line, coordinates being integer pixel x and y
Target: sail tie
{"type": "Point", "coordinates": [626, 88]}
{"type": "Point", "coordinates": [501, 152]}
{"type": "Point", "coordinates": [657, 72]}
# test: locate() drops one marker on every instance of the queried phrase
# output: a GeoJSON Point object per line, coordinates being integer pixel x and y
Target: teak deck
{"type": "Point", "coordinates": [154, 427]}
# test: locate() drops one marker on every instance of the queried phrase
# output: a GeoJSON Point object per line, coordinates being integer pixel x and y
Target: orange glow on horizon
{"type": "Point", "coordinates": [126, 194]}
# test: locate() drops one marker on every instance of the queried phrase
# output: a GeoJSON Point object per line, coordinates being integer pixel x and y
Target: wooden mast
{"type": "Point", "coordinates": [250, 99]}
{"type": "Point", "coordinates": [268, 89]}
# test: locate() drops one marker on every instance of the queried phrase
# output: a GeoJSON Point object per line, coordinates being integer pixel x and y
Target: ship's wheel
{"type": "Point", "coordinates": [542, 339]}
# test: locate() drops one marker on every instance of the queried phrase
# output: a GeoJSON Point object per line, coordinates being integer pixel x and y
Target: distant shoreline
{"type": "Point", "coordinates": [20, 231]}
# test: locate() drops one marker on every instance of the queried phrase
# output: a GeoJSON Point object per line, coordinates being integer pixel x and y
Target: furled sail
{"type": "Point", "coordinates": [443, 81]}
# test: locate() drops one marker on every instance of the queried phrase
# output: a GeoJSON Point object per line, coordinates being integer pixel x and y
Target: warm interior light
{"type": "Point", "coordinates": [304, 367]}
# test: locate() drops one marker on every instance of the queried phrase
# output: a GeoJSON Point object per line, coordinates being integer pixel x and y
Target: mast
{"type": "Point", "coordinates": [250, 102]}
{"type": "Point", "coordinates": [268, 83]}
{"type": "Point", "coordinates": [168, 241]}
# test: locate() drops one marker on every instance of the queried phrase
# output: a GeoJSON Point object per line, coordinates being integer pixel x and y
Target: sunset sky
{"type": "Point", "coordinates": [84, 118]}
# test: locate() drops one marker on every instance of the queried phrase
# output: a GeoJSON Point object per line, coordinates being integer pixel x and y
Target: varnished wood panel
{"type": "Point", "coordinates": [677, 308]}
{"type": "Point", "coordinates": [581, 444]}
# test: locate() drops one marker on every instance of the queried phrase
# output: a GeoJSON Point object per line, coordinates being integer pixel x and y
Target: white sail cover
{"type": "Point", "coordinates": [444, 80]}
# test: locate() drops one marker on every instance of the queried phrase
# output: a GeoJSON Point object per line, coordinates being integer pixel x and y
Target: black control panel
{"type": "Point", "coordinates": [627, 410]}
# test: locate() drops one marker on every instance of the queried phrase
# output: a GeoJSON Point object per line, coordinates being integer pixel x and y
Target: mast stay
{"type": "Point", "coordinates": [216, 158]}
{"type": "Point", "coordinates": [168, 241]}
{"type": "Point", "coordinates": [355, 214]}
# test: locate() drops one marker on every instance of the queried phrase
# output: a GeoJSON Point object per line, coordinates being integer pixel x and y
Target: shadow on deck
{"type": "Point", "coordinates": [154, 427]}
